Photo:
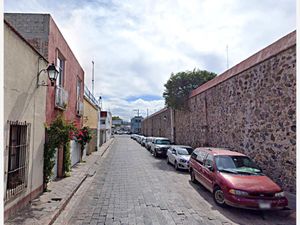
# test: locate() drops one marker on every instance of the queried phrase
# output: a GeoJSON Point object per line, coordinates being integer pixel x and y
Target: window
{"type": "Point", "coordinates": [201, 156]}
{"type": "Point", "coordinates": [60, 63]}
{"type": "Point", "coordinates": [194, 155]}
{"type": "Point", "coordinates": [79, 104]}
{"type": "Point", "coordinates": [102, 121]}
{"type": "Point", "coordinates": [162, 142]}
{"type": "Point", "coordinates": [18, 146]}
{"type": "Point", "coordinates": [209, 160]}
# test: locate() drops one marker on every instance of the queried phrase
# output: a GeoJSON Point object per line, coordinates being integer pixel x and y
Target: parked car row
{"type": "Point", "coordinates": [177, 155]}
{"type": "Point", "coordinates": [232, 177]}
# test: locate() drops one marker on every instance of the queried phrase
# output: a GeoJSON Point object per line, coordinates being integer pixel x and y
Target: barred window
{"type": "Point", "coordinates": [18, 146]}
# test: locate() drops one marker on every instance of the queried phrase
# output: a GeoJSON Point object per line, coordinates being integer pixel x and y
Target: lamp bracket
{"type": "Point", "coordinates": [43, 83]}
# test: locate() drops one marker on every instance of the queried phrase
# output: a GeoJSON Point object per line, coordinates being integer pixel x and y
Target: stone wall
{"type": "Point", "coordinates": [158, 125]}
{"type": "Point", "coordinates": [251, 108]}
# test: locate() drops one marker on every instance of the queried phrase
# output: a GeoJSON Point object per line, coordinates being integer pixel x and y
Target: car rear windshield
{"type": "Point", "coordinates": [236, 164]}
{"type": "Point", "coordinates": [163, 142]}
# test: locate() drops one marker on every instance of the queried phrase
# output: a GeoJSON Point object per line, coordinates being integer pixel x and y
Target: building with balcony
{"type": "Point", "coordinates": [91, 119]}
{"type": "Point", "coordinates": [66, 97]}
{"type": "Point", "coordinates": [24, 117]}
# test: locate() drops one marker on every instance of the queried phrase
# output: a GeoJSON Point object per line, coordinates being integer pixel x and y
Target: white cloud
{"type": "Point", "coordinates": [137, 44]}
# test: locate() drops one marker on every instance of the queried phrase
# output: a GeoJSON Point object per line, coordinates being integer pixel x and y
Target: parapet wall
{"type": "Point", "coordinates": [250, 108]}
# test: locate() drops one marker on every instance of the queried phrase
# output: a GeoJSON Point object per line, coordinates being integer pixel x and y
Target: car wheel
{"type": "Point", "coordinates": [218, 196]}
{"type": "Point", "coordinates": [154, 154]}
{"type": "Point", "coordinates": [176, 165]}
{"type": "Point", "coordinates": [168, 161]}
{"type": "Point", "coordinates": [193, 179]}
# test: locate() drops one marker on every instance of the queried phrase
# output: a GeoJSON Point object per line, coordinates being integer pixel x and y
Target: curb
{"type": "Point", "coordinates": [63, 206]}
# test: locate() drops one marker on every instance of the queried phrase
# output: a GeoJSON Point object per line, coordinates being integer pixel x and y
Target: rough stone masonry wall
{"type": "Point", "coordinates": [253, 112]}
{"type": "Point", "coordinates": [158, 125]}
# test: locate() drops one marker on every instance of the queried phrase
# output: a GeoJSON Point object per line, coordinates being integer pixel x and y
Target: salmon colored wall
{"type": "Point", "coordinates": [72, 71]}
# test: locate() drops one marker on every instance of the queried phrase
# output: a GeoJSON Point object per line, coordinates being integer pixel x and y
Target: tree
{"type": "Point", "coordinates": [116, 118]}
{"type": "Point", "coordinates": [180, 85]}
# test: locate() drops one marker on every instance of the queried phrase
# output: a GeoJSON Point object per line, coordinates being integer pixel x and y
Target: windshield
{"type": "Point", "coordinates": [182, 152]}
{"type": "Point", "coordinates": [190, 150]}
{"type": "Point", "coordinates": [236, 164]}
{"type": "Point", "coordinates": [163, 142]}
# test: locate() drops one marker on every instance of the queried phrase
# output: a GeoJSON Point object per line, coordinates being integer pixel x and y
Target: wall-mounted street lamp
{"type": "Point", "coordinates": [52, 75]}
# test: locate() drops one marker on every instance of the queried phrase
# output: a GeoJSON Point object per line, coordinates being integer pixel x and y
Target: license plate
{"type": "Point", "coordinates": [264, 205]}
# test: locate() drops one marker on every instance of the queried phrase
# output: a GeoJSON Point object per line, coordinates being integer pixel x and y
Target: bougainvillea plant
{"type": "Point", "coordinates": [82, 136]}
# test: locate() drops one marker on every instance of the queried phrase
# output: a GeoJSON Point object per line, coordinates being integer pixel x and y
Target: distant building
{"type": "Point", "coordinates": [117, 122]}
{"type": "Point", "coordinates": [105, 126]}
{"type": "Point", "coordinates": [136, 123]}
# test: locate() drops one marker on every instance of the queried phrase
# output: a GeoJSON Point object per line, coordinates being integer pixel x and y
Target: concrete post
{"type": "Point", "coordinates": [172, 124]}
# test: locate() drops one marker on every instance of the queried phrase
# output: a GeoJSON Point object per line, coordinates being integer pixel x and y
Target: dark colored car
{"type": "Point", "coordinates": [235, 180]}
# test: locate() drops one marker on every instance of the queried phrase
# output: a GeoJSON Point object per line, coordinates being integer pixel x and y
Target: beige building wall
{"type": "Point", "coordinates": [23, 101]}
{"type": "Point", "coordinates": [90, 119]}
{"type": "Point", "coordinates": [90, 115]}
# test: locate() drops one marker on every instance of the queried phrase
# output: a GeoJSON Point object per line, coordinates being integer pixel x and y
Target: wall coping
{"type": "Point", "coordinates": [156, 113]}
{"type": "Point", "coordinates": [271, 50]}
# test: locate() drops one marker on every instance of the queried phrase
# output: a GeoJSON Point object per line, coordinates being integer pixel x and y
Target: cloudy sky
{"type": "Point", "coordinates": [137, 44]}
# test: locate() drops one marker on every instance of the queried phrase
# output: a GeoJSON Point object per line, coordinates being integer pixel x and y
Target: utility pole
{"type": "Point", "coordinates": [138, 111]}
{"type": "Point", "coordinates": [93, 78]}
{"type": "Point", "coordinates": [147, 112]}
{"type": "Point", "coordinates": [227, 56]}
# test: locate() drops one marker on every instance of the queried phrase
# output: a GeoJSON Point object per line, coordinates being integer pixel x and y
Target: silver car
{"type": "Point", "coordinates": [160, 146]}
{"type": "Point", "coordinates": [179, 156]}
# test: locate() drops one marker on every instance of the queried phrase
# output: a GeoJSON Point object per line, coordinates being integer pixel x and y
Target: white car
{"type": "Point", "coordinates": [179, 156]}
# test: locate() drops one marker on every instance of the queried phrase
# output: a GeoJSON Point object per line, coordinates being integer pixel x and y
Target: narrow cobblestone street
{"type": "Point", "coordinates": [132, 187]}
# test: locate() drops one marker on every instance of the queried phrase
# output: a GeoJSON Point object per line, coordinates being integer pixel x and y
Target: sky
{"type": "Point", "coordinates": [137, 44]}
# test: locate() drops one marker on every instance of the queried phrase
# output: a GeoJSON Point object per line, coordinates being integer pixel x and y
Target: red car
{"type": "Point", "coordinates": [235, 180]}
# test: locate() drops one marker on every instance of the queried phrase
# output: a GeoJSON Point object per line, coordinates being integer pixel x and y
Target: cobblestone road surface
{"type": "Point", "coordinates": [132, 187]}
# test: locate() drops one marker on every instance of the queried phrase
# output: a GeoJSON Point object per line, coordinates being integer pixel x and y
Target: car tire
{"type": "Point", "coordinates": [154, 153]}
{"type": "Point", "coordinates": [168, 161]}
{"type": "Point", "coordinates": [219, 197]}
{"type": "Point", "coordinates": [176, 165]}
{"type": "Point", "coordinates": [193, 179]}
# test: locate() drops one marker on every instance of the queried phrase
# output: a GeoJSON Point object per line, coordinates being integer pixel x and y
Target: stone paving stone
{"type": "Point", "coordinates": [130, 186]}
{"type": "Point", "coordinates": [43, 209]}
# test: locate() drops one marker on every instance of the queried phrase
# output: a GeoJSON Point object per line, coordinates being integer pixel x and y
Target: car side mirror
{"type": "Point", "coordinates": [211, 168]}
{"type": "Point", "coordinates": [174, 152]}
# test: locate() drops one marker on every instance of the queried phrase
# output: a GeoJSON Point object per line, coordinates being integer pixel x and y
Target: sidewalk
{"type": "Point", "coordinates": [47, 207]}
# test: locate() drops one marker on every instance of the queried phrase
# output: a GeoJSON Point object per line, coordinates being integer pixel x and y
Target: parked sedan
{"type": "Point", "coordinates": [179, 156]}
{"type": "Point", "coordinates": [234, 179]}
